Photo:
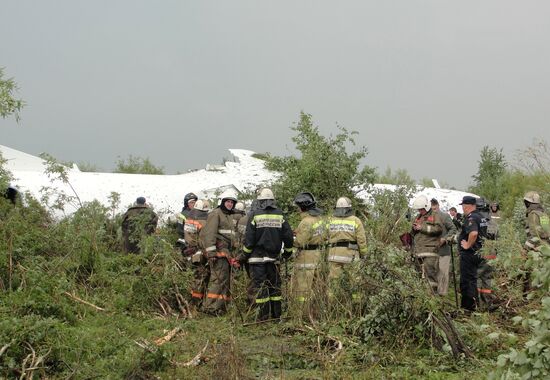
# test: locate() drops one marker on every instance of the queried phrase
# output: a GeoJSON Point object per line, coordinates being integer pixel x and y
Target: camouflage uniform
{"type": "Point", "coordinates": [486, 270]}
{"type": "Point", "coordinates": [139, 220]}
{"type": "Point", "coordinates": [537, 227]}
{"type": "Point", "coordinates": [444, 252]}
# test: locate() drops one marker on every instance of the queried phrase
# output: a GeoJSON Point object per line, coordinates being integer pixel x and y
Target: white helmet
{"type": "Point", "coordinates": [239, 206]}
{"type": "Point", "coordinates": [229, 194]}
{"type": "Point", "coordinates": [265, 194]}
{"type": "Point", "coordinates": [202, 205]}
{"type": "Point", "coordinates": [532, 197]}
{"type": "Point", "coordinates": [343, 202]}
{"type": "Point", "coordinates": [421, 202]}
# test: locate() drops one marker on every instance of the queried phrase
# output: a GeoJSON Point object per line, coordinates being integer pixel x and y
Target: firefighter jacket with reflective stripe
{"type": "Point", "coordinates": [310, 232]}
{"type": "Point", "coordinates": [537, 227]}
{"type": "Point", "coordinates": [193, 225]}
{"type": "Point", "coordinates": [266, 232]}
{"type": "Point", "coordinates": [427, 238]}
{"type": "Point", "coordinates": [346, 239]}
{"type": "Point", "coordinates": [218, 233]}
{"type": "Point", "coordinates": [180, 221]}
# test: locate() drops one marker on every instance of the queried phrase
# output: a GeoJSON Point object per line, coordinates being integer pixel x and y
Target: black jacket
{"type": "Point", "coordinates": [266, 231]}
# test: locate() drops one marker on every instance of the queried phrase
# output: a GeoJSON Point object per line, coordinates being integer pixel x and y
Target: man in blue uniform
{"type": "Point", "coordinates": [469, 244]}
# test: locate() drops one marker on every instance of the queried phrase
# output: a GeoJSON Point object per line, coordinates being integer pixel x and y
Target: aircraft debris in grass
{"type": "Point", "coordinates": [243, 173]}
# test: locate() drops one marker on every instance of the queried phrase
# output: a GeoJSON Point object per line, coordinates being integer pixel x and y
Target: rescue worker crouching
{"type": "Point", "coordinates": [310, 236]}
{"type": "Point", "coordinates": [426, 231]}
{"type": "Point", "coordinates": [346, 237]}
{"type": "Point", "coordinates": [218, 239]}
{"type": "Point", "coordinates": [266, 231]}
{"type": "Point", "coordinates": [194, 223]}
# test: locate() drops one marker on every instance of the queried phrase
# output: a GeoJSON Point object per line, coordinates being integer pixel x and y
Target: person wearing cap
{"type": "Point", "coordinates": [469, 244]}
{"type": "Point", "coordinates": [456, 217]}
{"type": "Point", "coordinates": [138, 221]}
{"type": "Point", "coordinates": [427, 229]}
{"type": "Point", "coordinates": [267, 233]}
{"type": "Point", "coordinates": [347, 239]}
{"type": "Point", "coordinates": [310, 238]}
{"type": "Point", "coordinates": [444, 251]}
{"type": "Point", "coordinates": [194, 223]}
{"type": "Point", "coordinates": [218, 239]}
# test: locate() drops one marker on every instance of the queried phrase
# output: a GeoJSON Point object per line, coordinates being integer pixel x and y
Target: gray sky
{"type": "Point", "coordinates": [425, 83]}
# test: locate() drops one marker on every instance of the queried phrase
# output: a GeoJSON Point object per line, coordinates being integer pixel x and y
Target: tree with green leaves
{"type": "Point", "coordinates": [9, 105]}
{"type": "Point", "coordinates": [137, 165]}
{"type": "Point", "coordinates": [491, 171]}
{"type": "Point", "coordinates": [324, 167]}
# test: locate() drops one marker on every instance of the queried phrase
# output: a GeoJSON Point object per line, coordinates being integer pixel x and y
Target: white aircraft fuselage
{"type": "Point", "coordinates": [165, 193]}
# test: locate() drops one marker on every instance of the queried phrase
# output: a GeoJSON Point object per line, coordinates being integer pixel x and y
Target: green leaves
{"type": "Point", "coordinates": [137, 165]}
{"type": "Point", "coordinates": [9, 105]}
{"type": "Point", "coordinates": [324, 166]}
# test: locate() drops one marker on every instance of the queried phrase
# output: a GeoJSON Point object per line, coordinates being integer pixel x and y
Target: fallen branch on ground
{"type": "Point", "coordinates": [167, 337]}
{"type": "Point", "coordinates": [83, 301]}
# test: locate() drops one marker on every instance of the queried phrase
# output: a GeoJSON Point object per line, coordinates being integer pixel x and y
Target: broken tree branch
{"type": "Point", "coordinates": [72, 296]}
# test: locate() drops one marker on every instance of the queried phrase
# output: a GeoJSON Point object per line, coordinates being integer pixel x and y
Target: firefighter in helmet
{"type": "Point", "coordinates": [188, 204]}
{"type": "Point", "coordinates": [310, 237]}
{"type": "Point", "coordinates": [266, 232]}
{"type": "Point", "coordinates": [426, 231]}
{"type": "Point", "coordinates": [218, 239]}
{"type": "Point", "coordinates": [347, 239]}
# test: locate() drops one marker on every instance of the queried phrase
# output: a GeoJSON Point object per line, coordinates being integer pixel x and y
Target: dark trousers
{"type": "Point", "coordinates": [266, 285]}
{"type": "Point", "coordinates": [469, 264]}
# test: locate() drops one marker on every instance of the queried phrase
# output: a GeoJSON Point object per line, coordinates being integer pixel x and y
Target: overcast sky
{"type": "Point", "coordinates": [425, 83]}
